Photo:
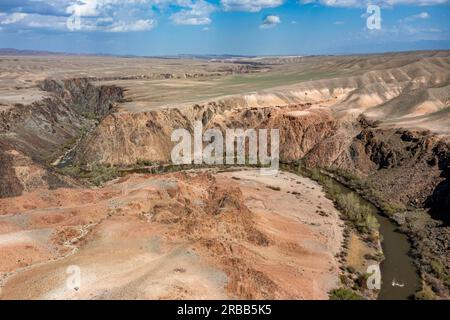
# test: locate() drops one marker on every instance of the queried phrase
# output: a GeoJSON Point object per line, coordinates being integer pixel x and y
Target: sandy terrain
{"type": "Point", "coordinates": [185, 235]}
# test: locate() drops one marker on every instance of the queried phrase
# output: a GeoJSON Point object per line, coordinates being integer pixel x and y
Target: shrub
{"type": "Point", "coordinates": [344, 294]}
{"type": "Point", "coordinates": [72, 171]}
{"type": "Point", "coordinates": [90, 115]}
{"type": "Point", "coordinates": [97, 176]}
{"type": "Point", "coordinates": [101, 174]}
{"type": "Point", "coordinates": [425, 294]}
{"type": "Point", "coordinates": [438, 269]}
{"type": "Point", "coordinates": [358, 213]}
{"type": "Point", "coordinates": [145, 163]}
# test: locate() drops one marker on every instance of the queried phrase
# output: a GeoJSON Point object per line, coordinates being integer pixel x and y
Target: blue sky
{"type": "Point", "coordinates": [245, 27]}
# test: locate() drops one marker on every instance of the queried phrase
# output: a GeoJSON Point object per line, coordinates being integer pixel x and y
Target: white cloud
{"type": "Point", "coordinates": [86, 15]}
{"type": "Point", "coordinates": [139, 15]}
{"type": "Point", "coordinates": [105, 15]}
{"type": "Point", "coordinates": [185, 18]}
{"type": "Point", "coordinates": [85, 8]}
{"type": "Point", "coordinates": [139, 25]}
{"type": "Point", "coordinates": [12, 18]}
{"type": "Point", "coordinates": [250, 5]}
{"type": "Point", "coordinates": [270, 21]}
{"type": "Point", "coordinates": [35, 20]}
{"type": "Point", "coordinates": [194, 13]}
{"type": "Point", "coordinates": [419, 16]}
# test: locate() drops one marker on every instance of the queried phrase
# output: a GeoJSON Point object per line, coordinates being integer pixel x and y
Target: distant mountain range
{"type": "Point", "coordinates": [17, 52]}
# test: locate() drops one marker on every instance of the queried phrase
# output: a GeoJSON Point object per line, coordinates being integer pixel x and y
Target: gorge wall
{"type": "Point", "coordinates": [31, 136]}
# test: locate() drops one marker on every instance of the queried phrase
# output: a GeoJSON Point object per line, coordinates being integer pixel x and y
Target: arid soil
{"type": "Point", "coordinates": [197, 235]}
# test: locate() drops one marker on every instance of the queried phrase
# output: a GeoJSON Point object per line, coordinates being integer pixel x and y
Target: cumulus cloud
{"type": "Point", "coordinates": [270, 21]}
{"type": "Point", "coordinates": [87, 8]}
{"type": "Point", "coordinates": [79, 15]}
{"type": "Point", "coordinates": [139, 25]}
{"type": "Point", "coordinates": [13, 18]}
{"type": "Point", "coordinates": [112, 15]}
{"type": "Point", "coordinates": [249, 5]}
{"type": "Point", "coordinates": [101, 15]}
{"type": "Point", "coordinates": [194, 13]}
{"type": "Point", "coordinates": [32, 20]}
{"type": "Point", "coordinates": [140, 15]}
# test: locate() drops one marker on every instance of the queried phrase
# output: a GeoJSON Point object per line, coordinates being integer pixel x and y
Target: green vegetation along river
{"type": "Point", "coordinates": [400, 279]}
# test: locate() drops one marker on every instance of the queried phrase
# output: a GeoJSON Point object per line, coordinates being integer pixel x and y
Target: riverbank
{"type": "Point", "coordinates": [428, 237]}
{"type": "Point", "coordinates": [362, 252]}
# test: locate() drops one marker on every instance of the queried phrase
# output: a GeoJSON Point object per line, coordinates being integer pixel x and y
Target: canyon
{"type": "Point", "coordinates": [378, 124]}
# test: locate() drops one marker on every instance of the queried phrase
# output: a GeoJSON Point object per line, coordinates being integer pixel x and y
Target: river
{"type": "Point", "coordinates": [400, 279]}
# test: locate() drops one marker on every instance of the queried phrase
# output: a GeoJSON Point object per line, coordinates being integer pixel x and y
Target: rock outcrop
{"type": "Point", "coordinates": [31, 136]}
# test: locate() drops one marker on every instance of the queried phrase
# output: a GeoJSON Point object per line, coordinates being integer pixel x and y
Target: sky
{"type": "Point", "coordinates": [238, 27]}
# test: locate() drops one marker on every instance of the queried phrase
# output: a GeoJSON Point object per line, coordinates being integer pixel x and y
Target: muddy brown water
{"type": "Point", "coordinates": [399, 276]}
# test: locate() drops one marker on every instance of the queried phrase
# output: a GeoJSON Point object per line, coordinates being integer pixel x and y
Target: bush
{"type": "Point", "coordinates": [145, 163]}
{"type": "Point", "coordinates": [358, 213]}
{"type": "Point", "coordinates": [97, 176]}
{"type": "Point", "coordinates": [425, 294]}
{"type": "Point", "coordinates": [347, 175]}
{"type": "Point", "coordinates": [72, 171]}
{"type": "Point", "coordinates": [438, 270]}
{"type": "Point", "coordinates": [344, 294]}
{"type": "Point", "coordinates": [90, 115]}
{"type": "Point", "coordinates": [372, 222]}
{"type": "Point", "coordinates": [101, 174]}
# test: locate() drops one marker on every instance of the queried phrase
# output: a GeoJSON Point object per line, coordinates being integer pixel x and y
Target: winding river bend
{"type": "Point", "coordinates": [399, 276]}
{"type": "Point", "coordinates": [400, 279]}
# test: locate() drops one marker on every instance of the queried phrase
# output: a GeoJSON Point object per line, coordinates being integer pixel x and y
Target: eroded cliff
{"type": "Point", "coordinates": [32, 136]}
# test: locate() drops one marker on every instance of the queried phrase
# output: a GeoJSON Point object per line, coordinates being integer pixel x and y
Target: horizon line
{"type": "Point", "coordinates": [30, 52]}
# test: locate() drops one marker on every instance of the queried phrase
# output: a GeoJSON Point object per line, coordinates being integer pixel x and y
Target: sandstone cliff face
{"type": "Point", "coordinates": [407, 165]}
{"type": "Point", "coordinates": [126, 138]}
{"type": "Point", "coordinates": [10, 185]}
{"type": "Point", "coordinates": [83, 97]}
